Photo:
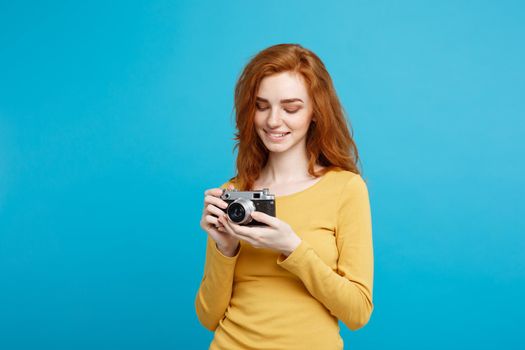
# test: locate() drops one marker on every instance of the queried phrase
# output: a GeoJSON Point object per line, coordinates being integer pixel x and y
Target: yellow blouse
{"type": "Point", "coordinates": [260, 299]}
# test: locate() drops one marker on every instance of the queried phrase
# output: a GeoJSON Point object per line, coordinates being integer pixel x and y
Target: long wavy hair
{"type": "Point", "coordinates": [329, 141]}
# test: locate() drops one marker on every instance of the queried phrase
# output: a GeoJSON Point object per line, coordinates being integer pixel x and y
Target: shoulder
{"type": "Point", "coordinates": [351, 187]}
{"type": "Point", "coordinates": [353, 197]}
{"type": "Point", "coordinates": [346, 179]}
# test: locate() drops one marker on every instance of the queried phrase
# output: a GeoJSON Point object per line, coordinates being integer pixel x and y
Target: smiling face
{"type": "Point", "coordinates": [283, 107]}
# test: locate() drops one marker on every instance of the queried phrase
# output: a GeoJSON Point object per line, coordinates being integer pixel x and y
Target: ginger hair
{"type": "Point", "coordinates": [329, 140]}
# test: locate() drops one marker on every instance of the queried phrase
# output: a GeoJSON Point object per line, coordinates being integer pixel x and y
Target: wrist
{"type": "Point", "coordinates": [228, 251]}
{"type": "Point", "coordinates": [292, 246]}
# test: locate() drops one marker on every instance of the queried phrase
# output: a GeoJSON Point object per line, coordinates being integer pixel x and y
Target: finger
{"type": "Point", "coordinates": [213, 199]}
{"type": "Point", "coordinates": [213, 220]}
{"type": "Point", "coordinates": [244, 231]}
{"type": "Point", "coordinates": [206, 226]}
{"type": "Point", "coordinates": [219, 203]}
{"type": "Point", "coordinates": [213, 192]}
{"type": "Point", "coordinates": [265, 218]}
{"type": "Point", "coordinates": [226, 225]}
{"type": "Point", "coordinates": [211, 209]}
{"type": "Point", "coordinates": [228, 228]}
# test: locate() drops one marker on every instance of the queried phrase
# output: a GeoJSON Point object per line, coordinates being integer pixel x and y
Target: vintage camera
{"type": "Point", "coordinates": [242, 203]}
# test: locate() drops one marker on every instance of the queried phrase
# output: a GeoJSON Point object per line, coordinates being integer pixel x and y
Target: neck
{"type": "Point", "coordinates": [286, 167]}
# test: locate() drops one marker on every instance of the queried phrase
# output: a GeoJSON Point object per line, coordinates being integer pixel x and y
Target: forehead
{"type": "Point", "coordinates": [283, 86]}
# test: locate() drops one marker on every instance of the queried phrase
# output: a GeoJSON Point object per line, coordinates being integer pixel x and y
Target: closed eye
{"type": "Point", "coordinates": [290, 111]}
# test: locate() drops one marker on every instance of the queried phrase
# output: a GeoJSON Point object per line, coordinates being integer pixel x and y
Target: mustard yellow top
{"type": "Point", "coordinates": [260, 299]}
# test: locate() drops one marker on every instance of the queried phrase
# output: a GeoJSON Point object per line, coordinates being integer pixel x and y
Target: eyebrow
{"type": "Point", "coordinates": [288, 100]}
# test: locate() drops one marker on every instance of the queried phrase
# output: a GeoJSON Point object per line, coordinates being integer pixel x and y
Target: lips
{"type": "Point", "coordinates": [276, 136]}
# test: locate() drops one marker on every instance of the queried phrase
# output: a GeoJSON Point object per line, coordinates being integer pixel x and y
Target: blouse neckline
{"type": "Point", "coordinates": [309, 188]}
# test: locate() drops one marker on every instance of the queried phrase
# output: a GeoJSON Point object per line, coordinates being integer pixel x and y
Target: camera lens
{"type": "Point", "coordinates": [236, 212]}
{"type": "Point", "coordinates": [240, 211]}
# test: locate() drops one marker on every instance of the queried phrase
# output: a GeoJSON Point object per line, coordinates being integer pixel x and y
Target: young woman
{"type": "Point", "coordinates": [286, 285]}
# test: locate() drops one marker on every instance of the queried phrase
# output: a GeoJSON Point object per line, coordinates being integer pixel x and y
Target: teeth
{"type": "Point", "coordinates": [278, 135]}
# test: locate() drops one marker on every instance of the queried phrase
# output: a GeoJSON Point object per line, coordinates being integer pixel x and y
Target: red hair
{"type": "Point", "coordinates": [329, 141]}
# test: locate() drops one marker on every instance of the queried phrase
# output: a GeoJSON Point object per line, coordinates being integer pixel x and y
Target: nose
{"type": "Point", "coordinates": [274, 118]}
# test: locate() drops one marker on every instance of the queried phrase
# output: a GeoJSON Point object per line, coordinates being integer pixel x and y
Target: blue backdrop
{"type": "Point", "coordinates": [116, 116]}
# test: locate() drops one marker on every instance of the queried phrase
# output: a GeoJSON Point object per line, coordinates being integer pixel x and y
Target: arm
{"type": "Point", "coordinates": [347, 292]}
{"type": "Point", "coordinates": [213, 296]}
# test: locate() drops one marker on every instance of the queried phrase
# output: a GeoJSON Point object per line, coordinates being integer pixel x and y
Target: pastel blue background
{"type": "Point", "coordinates": [116, 116]}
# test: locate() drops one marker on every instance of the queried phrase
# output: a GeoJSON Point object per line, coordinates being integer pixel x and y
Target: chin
{"type": "Point", "coordinates": [277, 149]}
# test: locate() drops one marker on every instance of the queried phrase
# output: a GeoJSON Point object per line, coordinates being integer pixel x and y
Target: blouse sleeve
{"type": "Point", "coordinates": [346, 292]}
{"type": "Point", "coordinates": [213, 296]}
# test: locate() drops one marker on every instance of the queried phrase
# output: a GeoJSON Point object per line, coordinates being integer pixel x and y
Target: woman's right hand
{"type": "Point", "coordinates": [226, 243]}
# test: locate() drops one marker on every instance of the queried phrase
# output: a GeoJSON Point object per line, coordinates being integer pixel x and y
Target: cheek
{"type": "Point", "coordinates": [258, 120]}
{"type": "Point", "coordinates": [259, 126]}
{"type": "Point", "coordinates": [300, 122]}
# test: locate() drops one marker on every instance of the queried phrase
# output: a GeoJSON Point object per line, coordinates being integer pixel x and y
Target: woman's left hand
{"type": "Point", "coordinates": [278, 235]}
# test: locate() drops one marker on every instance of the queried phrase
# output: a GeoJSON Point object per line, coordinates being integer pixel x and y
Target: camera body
{"type": "Point", "coordinates": [242, 203]}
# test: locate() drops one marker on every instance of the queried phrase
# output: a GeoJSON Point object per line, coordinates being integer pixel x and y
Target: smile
{"type": "Point", "coordinates": [276, 136]}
